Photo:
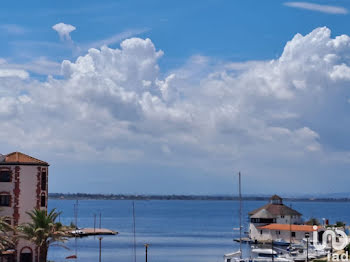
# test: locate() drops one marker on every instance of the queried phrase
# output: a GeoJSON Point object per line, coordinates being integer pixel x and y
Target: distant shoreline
{"type": "Point", "coordinates": [84, 196]}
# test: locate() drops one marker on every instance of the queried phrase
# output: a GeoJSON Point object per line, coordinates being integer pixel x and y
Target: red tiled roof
{"type": "Point", "coordinates": [287, 227]}
{"type": "Point", "coordinates": [20, 158]}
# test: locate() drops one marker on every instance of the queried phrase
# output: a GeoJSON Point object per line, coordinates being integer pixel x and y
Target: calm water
{"type": "Point", "coordinates": [181, 231]}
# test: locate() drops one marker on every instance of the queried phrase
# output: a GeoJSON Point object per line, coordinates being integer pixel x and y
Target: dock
{"type": "Point", "coordinates": [83, 232]}
{"type": "Point", "coordinates": [244, 240]}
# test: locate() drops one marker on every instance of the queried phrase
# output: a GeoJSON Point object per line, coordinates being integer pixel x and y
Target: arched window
{"type": "Point", "coordinates": [26, 255]}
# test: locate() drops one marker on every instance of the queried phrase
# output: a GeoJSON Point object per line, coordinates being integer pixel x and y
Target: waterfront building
{"type": "Point", "coordinates": [278, 222]}
{"type": "Point", "coordinates": [23, 187]}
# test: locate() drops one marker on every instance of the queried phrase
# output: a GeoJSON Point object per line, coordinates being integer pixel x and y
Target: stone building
{"type": "Point", "coordinates": [23, 187]}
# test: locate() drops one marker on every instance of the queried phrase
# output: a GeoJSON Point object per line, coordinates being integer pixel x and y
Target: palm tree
{"type": "Point", "coordinates": [6, 234]}
{"type": "Point", "coordinates": [43, 231]}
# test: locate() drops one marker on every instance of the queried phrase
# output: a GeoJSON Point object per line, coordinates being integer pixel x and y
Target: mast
{"type": "Point", "coordinates": [134, 229]}
{"type": "Point", "coordinates": [240, 215]}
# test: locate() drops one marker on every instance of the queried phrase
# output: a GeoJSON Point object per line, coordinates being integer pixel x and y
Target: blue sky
{"type": "Point", "coordinates": [228, 30]}
{"type": "Point", "coordinates": [218, 87]}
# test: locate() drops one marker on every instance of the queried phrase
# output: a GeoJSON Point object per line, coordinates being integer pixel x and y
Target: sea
{"type": "Point", "coordinates": [176, 230]}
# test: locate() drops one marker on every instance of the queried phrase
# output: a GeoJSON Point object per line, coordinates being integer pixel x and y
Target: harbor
{"type": "Point", "coordinates": [278, 233]}
{"type": "Point", "coordinates": [194, 230]}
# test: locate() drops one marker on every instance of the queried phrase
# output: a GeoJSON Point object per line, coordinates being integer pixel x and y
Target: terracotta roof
{"type": "Point", "coordinates": [20, 158]}
{"type": "Point", "coordinates": [287, 227]}
{"type": "Point", "coordinates": [277, 210]}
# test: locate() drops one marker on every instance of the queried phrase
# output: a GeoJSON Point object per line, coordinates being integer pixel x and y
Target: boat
{"type": "Point", "coordinates": [280, 242]}
{"type": "Point", "coordinates": [258, 255]}
{"type": "Point", "coordinates": [237, 254]}
{"type": "Point", "coordinates": [300, 253]}
{"type": "Point", "coordinates": [234, 256]}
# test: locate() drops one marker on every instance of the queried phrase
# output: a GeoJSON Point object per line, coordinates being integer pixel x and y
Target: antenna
{"type": "Point", "coordinates": [134, 228]}
{"type": "Point", "coordinates": [240, 215]}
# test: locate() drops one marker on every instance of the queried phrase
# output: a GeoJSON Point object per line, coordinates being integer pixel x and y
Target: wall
{"type": "Point", "coordinates": [25, 191]}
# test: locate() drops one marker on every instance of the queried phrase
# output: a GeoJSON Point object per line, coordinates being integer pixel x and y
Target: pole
{"type": "Point", "coordinates": [100, 240]}
{"type": "Point", "coordinates": [146, 247]}
{"type": "Point", "coordinates": [94, 223]}
{"type": "Point", "coordinates": [134, 229]}
{"type": "Point", "coordinates": [240, 215]}
{"type": "Point", "coordinates": [307, 249]}
{"type": "Point", "coordinates": [272, 255]}
{"type": "Point", "coordinates": [332, 247]}
{"type": "Point", "coordinates": [76, 214]}
{"type": "Point", "coordinates": [100, 220]}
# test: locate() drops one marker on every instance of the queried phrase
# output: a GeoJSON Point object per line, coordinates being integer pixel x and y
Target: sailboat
{"type": "Point", "coordinates": [237, 254]}
{"type": "Point", "coordinates": [257, 254]}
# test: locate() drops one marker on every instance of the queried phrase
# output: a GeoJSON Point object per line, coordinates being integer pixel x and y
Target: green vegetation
{"type": "Point", "coordinates": [44, 231]}
{"type": "Point", "coordinates": [83, 196]}
{"type": "Point", "coordinates": [6, 234]}
{"type": "Point", "coordinates": [347, 248]}
{"type": "Point", "coordinates": [340, 224]}
{"type": "Point", "coordinates": [312, 221]}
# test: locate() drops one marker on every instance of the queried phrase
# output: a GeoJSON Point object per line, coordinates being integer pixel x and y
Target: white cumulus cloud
{"type": "Point", "coordinates": [64, 30]}
{"type": "Point", "coordinates": [114, 104]}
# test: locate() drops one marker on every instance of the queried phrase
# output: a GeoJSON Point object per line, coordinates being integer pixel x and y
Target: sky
{"type": "Point", "coordinates": [177, 97]}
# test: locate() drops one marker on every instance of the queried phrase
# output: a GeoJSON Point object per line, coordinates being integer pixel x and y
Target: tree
{"type": "Point", "coordinates": [44, 231]}
{"type": "Point", "coordinates": [6, 234]}
{"type": "Point", "coordinates": [340, 224]}
{"type": "Point", "coordinates": [313, 221]}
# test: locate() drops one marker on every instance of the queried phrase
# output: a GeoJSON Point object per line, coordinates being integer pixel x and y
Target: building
{"type": "Point", "coordinates": [277, 221]}
{"type": "Point", "coordinates": [23, 187]}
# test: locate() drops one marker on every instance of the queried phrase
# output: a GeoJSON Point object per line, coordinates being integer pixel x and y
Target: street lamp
{"type": "Point", "coordinates": [146, 250]}
{"type": "Point", "coordinates": [307, 235]}
{"type": "Point", "coordinates": [100, 240]}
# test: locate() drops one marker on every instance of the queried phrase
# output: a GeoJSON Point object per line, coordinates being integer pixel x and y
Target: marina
{"type": "Point", "coordinates": [278, 233]}
{"type": "Point", "coordinates": [195, 230]}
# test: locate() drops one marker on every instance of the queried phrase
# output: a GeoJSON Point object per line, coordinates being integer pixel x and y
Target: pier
{"type": "Point", "coordinates": [83, 232]}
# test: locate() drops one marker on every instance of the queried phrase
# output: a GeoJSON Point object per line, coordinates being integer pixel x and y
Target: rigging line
{"type": "Point", "coordinates": [134, 228]}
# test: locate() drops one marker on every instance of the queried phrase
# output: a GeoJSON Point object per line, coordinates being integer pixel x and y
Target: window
{"type": "Point", "coordinates": [43, 180]}
{"type": "Point", "coordinates": [282, 216]}
{"type": "Point", "coordinates": [5, 200]}
{"type": "Point", "coordinates": [292, 234]}
{"type": "Point", "coordinates": [5, 176]}
{"type": "Point", "coordinates": [43, 201]}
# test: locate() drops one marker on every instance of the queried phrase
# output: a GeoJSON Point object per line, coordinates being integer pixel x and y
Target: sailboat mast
{"type": "Point", "coordinates": [134, 228]}
{"type": "Point", "coordinates": [240, 215]}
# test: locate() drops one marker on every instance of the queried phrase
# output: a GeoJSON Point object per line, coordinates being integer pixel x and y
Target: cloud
{"type": "Point", "coordinates": [41, 66]}
{"type": "Point", "coordinates": [13, 29]}
{"type": "Point", "coordinates": [329, 9]}
{"type": "Point", "coordinates": [64, 30]}
{"type": "Point", "coordinates": [13, 73]}
{"type": "Point", "coordinates": [265, 117]}
{"type": "Point", "coordinates": [115, 38]}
